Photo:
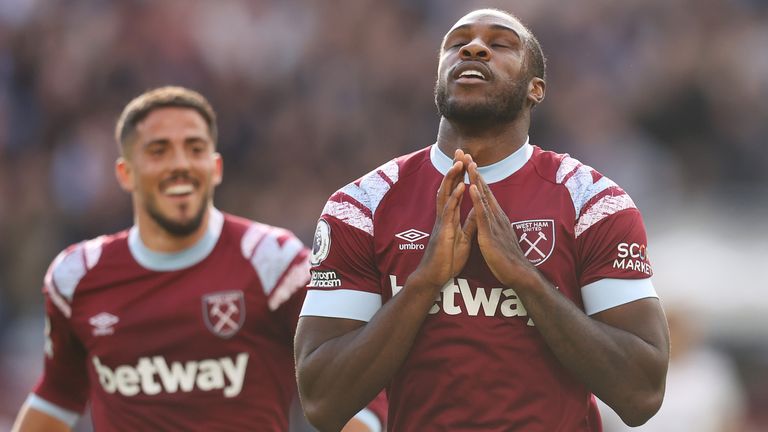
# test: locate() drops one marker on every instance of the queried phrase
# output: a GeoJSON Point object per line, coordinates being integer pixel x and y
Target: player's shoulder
{"type": "Point", "coordinates": [411, 163]}
{"type": "Point", "coordinates": [561, 168]}
{"type": "Point", "coordinates": [278, 258]}
{"type": "Point", "coordinates": [73, 263]}
{"type": "Point", "coordinates": [356, 203]}
{"type": "Point", "coordinates": [552, 166]}
{"type": "Point", "coordinates": [594, 196]}
{"type": "Point", "coordinates": [85, 255]}
{"type": "Point", "coordinates": [250, 234]}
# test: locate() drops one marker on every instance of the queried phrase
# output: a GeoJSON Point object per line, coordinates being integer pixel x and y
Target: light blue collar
{"type": "Point", "coordinates": [161, 261]}
{"type": "Point", "coordinates": [491, 173]}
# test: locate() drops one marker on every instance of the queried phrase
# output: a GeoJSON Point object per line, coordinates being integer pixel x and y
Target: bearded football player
{"type": "Point", "coordinates": [186, 320]}
{"type": "Point", "coordinates": [480, 280]}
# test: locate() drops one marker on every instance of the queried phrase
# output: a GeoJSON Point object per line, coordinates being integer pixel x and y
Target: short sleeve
{"type": "Point", "coordinates": [292, 290]}
{"type": "Point", "coordinates": [344, 281]}
{"type": "Point", "coordinates": [280, 261]}
{"type": "Point", "coordinates": [62, 390]}
{"type": "Point", "coordinates": [614, 265]}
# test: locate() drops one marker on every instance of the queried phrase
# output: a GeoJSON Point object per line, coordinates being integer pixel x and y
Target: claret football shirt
{"type": "Point", "coordinates": [195, 340]}
{"type": "Point", "coordinates": [478, 362]}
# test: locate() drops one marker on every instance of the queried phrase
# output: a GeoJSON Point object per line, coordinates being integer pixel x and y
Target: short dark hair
{"type": "Point", "coordinates": [536, 63]}
{"type": "Point", "coordinates": [162, 97]}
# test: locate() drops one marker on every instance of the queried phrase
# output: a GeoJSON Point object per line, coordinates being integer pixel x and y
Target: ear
{"type": "Point", "coordinates": [218, 172]}
{"type": "Point", "coordinates": [536, 90]}
{"type": "Point", "coordinates": [124, 174]}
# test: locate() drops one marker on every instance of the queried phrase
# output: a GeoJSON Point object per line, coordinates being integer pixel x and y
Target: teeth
{"type": "Point", "coordinates": [179, 189]}
{"type": "Point", "coordinates": [472, 73]}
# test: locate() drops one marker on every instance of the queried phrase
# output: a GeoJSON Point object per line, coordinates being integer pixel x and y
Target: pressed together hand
{"type": "Point", "coordinates": [450, 243]}
{"type": "Point", "coordinates": [498, 242]}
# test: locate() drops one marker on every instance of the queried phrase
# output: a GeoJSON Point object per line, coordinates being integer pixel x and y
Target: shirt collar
{"type": "Point", "coordinates": [163, 261]}
{"type": "Point", "coordinates": [491, 173]}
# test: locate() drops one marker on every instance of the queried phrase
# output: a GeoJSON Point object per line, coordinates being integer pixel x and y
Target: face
{"type": "Point", "coordinates": [171, 169]}
{"type": "Point", "coordinates": [481, 74]}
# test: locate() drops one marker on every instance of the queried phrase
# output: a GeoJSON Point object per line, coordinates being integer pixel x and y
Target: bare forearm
{"type": "Point", "coordinates": [342, 365]}
{"type": "Point", "coordinates": [340, 375]}
{"type": "Point", "coordinates": [32, 420]}
{"type": "Point", "coordinates": [623, 369]}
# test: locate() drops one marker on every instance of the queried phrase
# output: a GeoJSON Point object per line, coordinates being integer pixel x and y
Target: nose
{"type": "Point", "coordinates": [475, 50]}
{"type": "Point", "coordinates": [180, 160]}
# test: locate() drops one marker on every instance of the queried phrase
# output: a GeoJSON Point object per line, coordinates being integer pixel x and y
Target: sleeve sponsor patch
{"type": "Point", "coordinates": [615, 248]}
{"type": "Point", "coordinates": [632, 256]}
{"type": "Point", "coordinates": [325, 279]}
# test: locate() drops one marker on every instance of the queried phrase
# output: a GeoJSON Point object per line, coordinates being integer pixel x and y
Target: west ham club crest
{"type": "Point", "coordinates": [537, 238]}
{"type": "Point", "coordinates": [224, 312]}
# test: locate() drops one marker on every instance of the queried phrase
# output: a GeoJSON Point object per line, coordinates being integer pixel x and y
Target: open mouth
{"type": "Point", "coordinates": [471, 72]}
{"type": "Point", "coordinates": [179, 189]}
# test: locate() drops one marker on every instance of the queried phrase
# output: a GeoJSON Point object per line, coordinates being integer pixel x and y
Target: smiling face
{"type": "Point", "coordinates": [171, 170]}
{"type": "Point", "coordinates": [482, 74]}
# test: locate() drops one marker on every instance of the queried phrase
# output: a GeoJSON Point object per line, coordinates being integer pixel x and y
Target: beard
{"type": "Point", "coordinates": [500, 107]}
{"type": "Point", "coordinates": [175, 228]}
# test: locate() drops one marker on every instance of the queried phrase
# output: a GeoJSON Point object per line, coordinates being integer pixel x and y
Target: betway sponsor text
{"type": "Point", "coordinates": [153, 375]}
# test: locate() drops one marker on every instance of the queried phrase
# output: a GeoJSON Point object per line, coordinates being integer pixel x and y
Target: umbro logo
{"type": "Point", "coordinates": [411, 236]}
{"type": "Point", "coordinates": [103, 323]}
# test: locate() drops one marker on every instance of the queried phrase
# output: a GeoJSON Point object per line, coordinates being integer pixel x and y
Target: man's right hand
{"type": "Point", "coordinates": [449, 244]}
{"type": "Point", "coordinates": [342, 364]}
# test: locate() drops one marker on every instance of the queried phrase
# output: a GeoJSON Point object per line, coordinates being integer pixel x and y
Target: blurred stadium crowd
{"type": "Point", "coordinates": [667, 97]}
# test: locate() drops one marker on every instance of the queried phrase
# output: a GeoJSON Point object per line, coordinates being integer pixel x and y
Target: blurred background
{"type": "Point", "coordinates": [669, 98]}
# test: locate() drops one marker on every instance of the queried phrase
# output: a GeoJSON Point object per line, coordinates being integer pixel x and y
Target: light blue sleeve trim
{"type": "Point", "coordinates": [607, 293]}
{"type": "Point", "coordinates": [342, 303]}
{"type": "Point", "coordinates": [368, 418]}
{"type": "Point", "coordinates": [70, 418]}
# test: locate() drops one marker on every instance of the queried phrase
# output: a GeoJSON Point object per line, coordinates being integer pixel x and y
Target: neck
{"type": "Point", "coordinates": [487, 144]}
{"type": "Point", "coordinates": [157, 239]}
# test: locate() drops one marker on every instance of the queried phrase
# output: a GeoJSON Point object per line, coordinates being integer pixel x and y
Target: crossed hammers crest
{"type": "Point", "coordinates": [224, 315]}
{"type": "Point", "coordinates": [532, 244]}
{"type": "Point", "coordinates": [224, 312]}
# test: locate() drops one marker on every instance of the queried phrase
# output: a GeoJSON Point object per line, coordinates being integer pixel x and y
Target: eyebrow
{"type": "Point", "coordinates": [493, 26]}
{"type": "Point", "coordinates": [165, 141]}
{"type": "Point", "coordinates": [155, 141]}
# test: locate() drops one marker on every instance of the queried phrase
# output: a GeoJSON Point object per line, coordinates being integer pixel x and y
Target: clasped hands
{"type": "Point", "coordinates": [450, 242]}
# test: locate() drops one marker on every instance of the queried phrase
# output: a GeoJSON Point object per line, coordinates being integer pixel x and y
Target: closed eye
{"type": "Point", "coordinates": [156, 148]}
{"type": "Point", "coordinates": [197, 145]}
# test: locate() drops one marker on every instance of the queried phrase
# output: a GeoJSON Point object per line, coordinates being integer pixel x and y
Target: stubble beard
{"type": "Point", "coordinates": [175, 228]}
{"type": "Point", "coordinates": [501, 107]}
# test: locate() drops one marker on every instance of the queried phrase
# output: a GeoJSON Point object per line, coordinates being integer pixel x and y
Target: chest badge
{"type": "Point", "coordinates": [224, 312]}
{"type": "Point", "coordinates": [537, 238]}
